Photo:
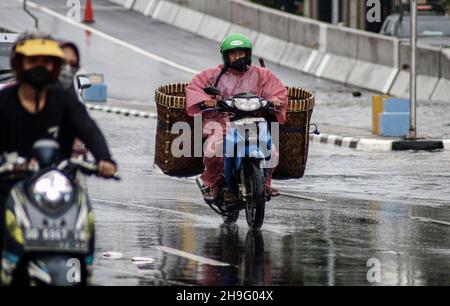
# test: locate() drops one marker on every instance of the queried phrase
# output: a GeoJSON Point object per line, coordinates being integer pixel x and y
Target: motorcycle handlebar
{"type": "Point", "coordinates": [222, 106]}
{"type": "Point", "coordinates": [88, 168]}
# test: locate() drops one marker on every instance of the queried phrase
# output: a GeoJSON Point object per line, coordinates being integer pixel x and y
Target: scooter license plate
{"type": "Point", "coordinates": [55, 240]}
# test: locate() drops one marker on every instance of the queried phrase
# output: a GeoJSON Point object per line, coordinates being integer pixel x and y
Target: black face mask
{"type": "Point", "coordinates": [37, 77]}
{"type": "Point", "coordinates": [240, 65]}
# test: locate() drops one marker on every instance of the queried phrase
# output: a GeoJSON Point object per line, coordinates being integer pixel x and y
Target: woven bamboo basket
{"type": "Point", "coordinates": [294, 135]}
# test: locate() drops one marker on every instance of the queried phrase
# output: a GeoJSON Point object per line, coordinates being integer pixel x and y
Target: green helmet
{"type": "Point", "coordinates": [235, 42]}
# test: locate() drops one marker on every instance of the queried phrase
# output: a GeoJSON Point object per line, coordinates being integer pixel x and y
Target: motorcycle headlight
{"type": "Point", "coordinates": [247, 105]}
{"type": "Point", "coordinates": [52, 190]}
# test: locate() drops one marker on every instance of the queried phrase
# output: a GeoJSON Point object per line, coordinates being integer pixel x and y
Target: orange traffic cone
{"type": "Point", "coordinates": [88, 12]}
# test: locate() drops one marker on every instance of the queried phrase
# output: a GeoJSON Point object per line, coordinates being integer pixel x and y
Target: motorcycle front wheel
{"type": "Point", "coordinates": [256, 201]}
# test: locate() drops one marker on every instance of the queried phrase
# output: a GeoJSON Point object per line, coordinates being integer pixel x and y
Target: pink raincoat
{"type": "Point", "coordinates": [259, 81]}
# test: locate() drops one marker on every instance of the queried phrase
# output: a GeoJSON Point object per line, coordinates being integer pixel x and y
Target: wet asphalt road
{"type": "Point", "coordinates": [392, 207]}
{"type": "Point", "coordinates": [303, 242]}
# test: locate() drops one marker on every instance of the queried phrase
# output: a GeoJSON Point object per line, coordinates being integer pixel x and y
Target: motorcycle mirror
{"type": "Point", "coordinates": [83, 82]}
{"type": "Point", "coordinates": [316, 129]}
{"type": "Point", "coordinates": [211, 91]}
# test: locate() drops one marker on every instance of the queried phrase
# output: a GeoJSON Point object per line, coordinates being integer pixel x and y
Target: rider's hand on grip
{"type": "Point", "coordinates": [106, 169]}
{"type": "Point", "coordinates": [277, 104]}
{"type": "Point", "coordinates": [210, 103]}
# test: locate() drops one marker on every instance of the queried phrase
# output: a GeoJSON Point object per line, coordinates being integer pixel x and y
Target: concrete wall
{"type": "Point", "coordinates": [304, 32]}
{"type": "Point", "coordinates": [428, 59]}
{"type": "Point", "coordinates": [445, 64]}
{"type": "Point", "coordinates": [350, 56]}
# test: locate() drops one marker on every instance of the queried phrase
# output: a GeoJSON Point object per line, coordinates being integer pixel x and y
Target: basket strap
{"type": "Point", "coordinates": [222, 72]}
{"type": "Point", "coordinates": [285, 129]}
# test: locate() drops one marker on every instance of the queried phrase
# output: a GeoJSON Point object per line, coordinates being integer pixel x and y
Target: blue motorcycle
{"type": "Point", "coordinates": [247, 156]}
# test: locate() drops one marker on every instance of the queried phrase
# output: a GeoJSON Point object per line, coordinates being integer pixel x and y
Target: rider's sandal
{"type": "Point", "coordinates": [272, 192]}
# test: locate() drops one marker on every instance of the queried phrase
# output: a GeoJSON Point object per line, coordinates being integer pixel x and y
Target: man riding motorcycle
{"type": "Point", "coordinates": [32, 109]}
{"type": "Point", "coordinates": [236, 75]}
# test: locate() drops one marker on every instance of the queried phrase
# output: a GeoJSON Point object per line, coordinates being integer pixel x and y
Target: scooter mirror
{"type": "Point", "coordinates": [84, 82]}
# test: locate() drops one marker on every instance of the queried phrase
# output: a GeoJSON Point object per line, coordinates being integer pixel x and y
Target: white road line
{"type": "Point", "coordinates": [146, 207]}
{"type": "Point", "coordinates": [200, 259]}
{"type": "Point", "coordinates": [422, 219]}
{"type": "Point", "coordinates": [151, 277]}
{"type": "Point", "coordinates": [112, 39]}
{"type": "Point", "coordinates": [292, 195]}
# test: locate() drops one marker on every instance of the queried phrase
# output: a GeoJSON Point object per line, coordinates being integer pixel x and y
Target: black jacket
{"type": "Point", "coordinates": [63, 119]}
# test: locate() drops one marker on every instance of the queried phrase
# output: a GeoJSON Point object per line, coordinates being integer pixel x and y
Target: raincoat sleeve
{"type": "Point", "coordinates": [273, 88]}
{"type": "Point", "coordinates": [194, 91]}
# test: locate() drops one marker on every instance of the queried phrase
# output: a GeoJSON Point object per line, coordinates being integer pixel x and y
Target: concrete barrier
{"type": "Point", "coordinates": [428, 72]}
{"type": "Point", "coordinates": [425, 88]}
{"type": "Point", "coordinates": [129, 4]}
{"type": "Point", "coordinates": [269, 47]}
{"type": "Point", "coordinates": [252, 35]}
{"type": "Point", "coordinates": [213, 28]}
{"type": "Point", "coordinates": [441, 92]}
{"type": "Point", "coordinates": [219, 8]}
{"type": "Point", "coordinates": [358, 58]}
{"type": "Point", "coordinates": [335, 68]}
{"type": "Point", "coordinates": [151, 7]}
{"type": "Point", "coordinates": [141, 5]}
{"type": "Point", "coordinates": [445, 64]}
{"type": "Point", "coordinates": [295, 56]}
{"type": "Point", "coordinates": [304, 32]}
{"type": "Point", "coordinates": [245, 15]}
{"type": "Point", "coordinates": [350, 56]}
{"type": "Point", "coordinates": [428, 59]}
{"type": "Point", "coordinates": [197, 5]}
{"type": "Point", "coordinates": [165, 12]}
{"type": "Point", "coordinates": [372, 76]}
{"type": "Point", "coordinates": [120, 2]}
{"type": "Point", "coordinates": [314, 62]}
{"type": "Point", "coordinates": [188, 19]}
{"type": "Point", "coordinates": [377, 49]}
{"type": "Point", "coordinates": [271, 23]}
{"type": "Point", "coordinates": [343, 42]}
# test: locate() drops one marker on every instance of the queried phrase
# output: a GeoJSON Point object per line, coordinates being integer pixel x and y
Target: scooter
{"type": "Point", "coordinates": [247, 154]}
{"type": "Point", "coordinates": [48, 235]}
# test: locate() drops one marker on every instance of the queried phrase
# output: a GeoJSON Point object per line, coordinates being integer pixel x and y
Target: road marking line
{"type": "Point", "coordinates": [113, 39]}
{"type": "Point", "coordinates": [146, 207]}
{"type": "Point", "coordinates": [422, 219]}
{"type": "Point", "coordinates": [200, 259]}
{"type": "Point", "coordinates": [169, 211]}
{"type": "Point", "coordinates": [292, 195]}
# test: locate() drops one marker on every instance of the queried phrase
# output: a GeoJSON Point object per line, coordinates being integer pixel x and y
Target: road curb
{"type": "Point", "coordinates": [359, 144]}
{"type": "Point", "coordinates": [121, 111]}
{"type": "Point", "coordinates": [381, 145]}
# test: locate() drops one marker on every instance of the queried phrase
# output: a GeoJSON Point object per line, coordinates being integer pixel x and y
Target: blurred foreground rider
{"type": "Point", "coordinates": [31, 109]}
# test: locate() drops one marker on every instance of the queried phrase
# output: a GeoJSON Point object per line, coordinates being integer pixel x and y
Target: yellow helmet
{"type": "Point", "coordinates": [36, 44]}
{"type": "Point", "coordinates": [39, 47]}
